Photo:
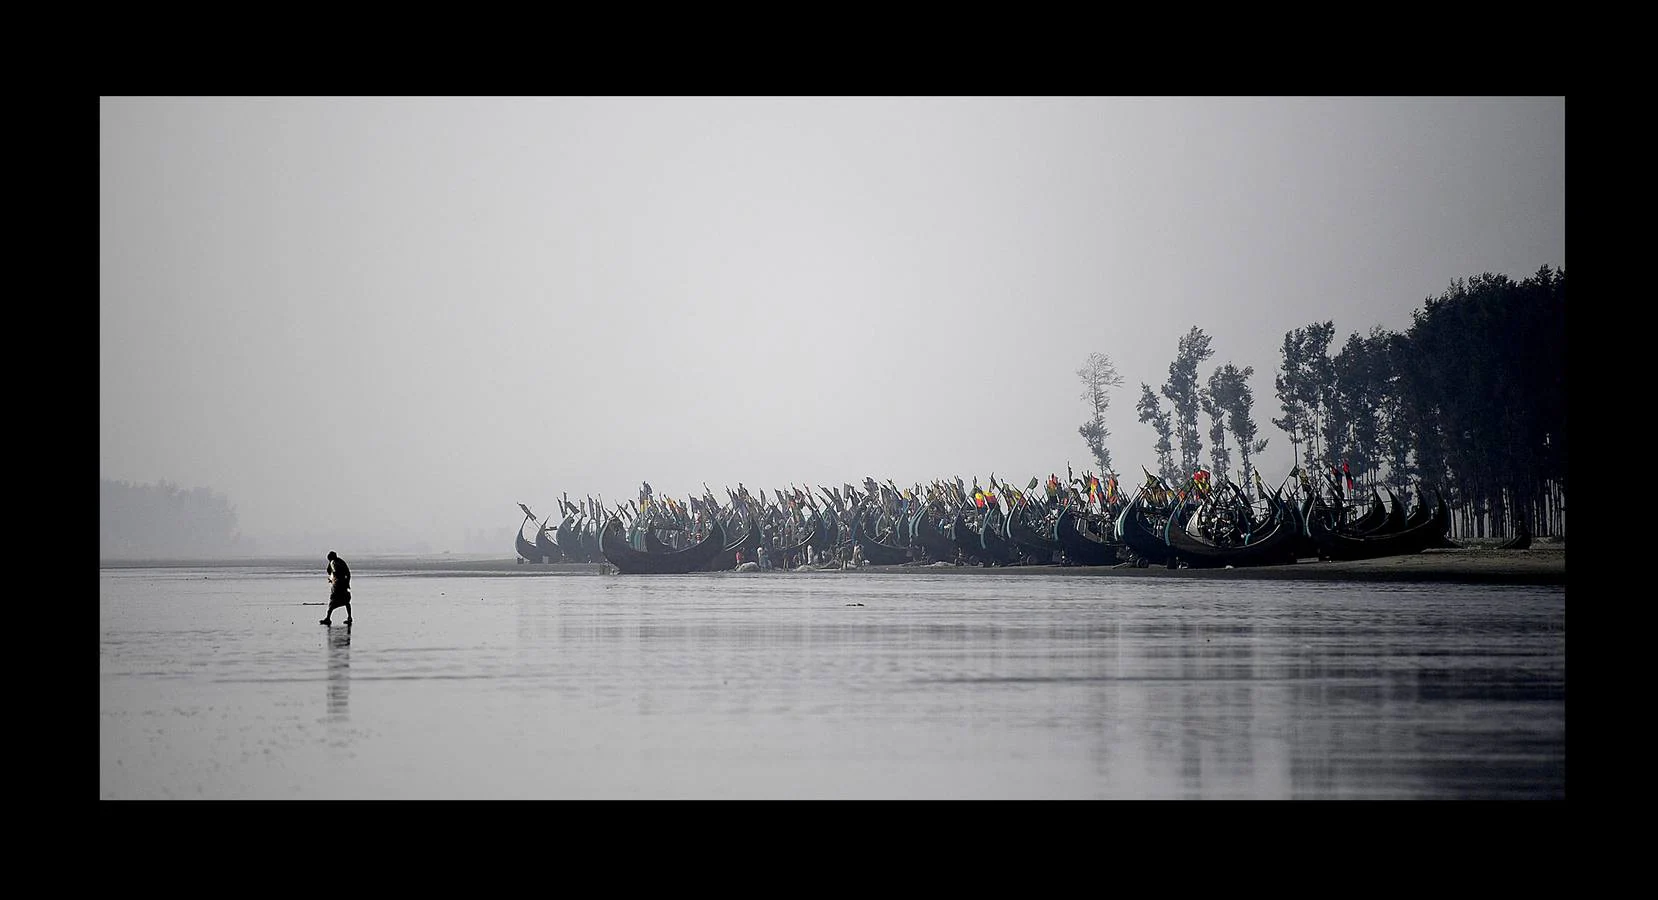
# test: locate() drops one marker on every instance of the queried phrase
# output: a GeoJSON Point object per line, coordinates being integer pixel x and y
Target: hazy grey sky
{"type": "Point", "coordinates": [404, 316]}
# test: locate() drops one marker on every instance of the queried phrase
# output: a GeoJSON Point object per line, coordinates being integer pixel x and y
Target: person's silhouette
{"type": "Point", "coordinates": [339, 576]}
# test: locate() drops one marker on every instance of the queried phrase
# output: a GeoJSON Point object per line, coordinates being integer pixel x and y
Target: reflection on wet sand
{"type": "Point", "coordinates": [339, 673]}
{"type": "Point", "coordinates": [1414, 710]}
{"type": "Point", "coordinates": [880, 687]}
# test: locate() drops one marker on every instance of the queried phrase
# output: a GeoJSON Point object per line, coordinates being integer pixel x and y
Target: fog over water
{"type": "Point", "coordinates": [384, 322]}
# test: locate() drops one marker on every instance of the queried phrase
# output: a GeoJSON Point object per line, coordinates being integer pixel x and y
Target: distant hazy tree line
{"type": "Point", "coordinates": [162, 520]}
{"type": "Point", "coordinates": [1471, 399]}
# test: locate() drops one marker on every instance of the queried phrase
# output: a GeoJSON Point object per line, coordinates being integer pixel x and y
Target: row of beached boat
{"type": "Point", "coordinates": [1199, 526]}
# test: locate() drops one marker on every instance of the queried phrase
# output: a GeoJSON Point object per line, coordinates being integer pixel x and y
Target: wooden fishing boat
{"type": "Point", "coordinates": [1338, 546]}
{"type": "Point", "coordinates": [1019, 533]}
{"type": "Point", "coordinates": [876, 552]}
{"type": "Point", "coordinates": [526, 549]}
{"type": "Point", "coordinates": [895, 531]}
{"type": "Point", "coordinates": [965, 539]}
{"type": "Point", "coordinates": [925, 533]}
{"type": "Point", "coordinates": [1143, 539]}
{"type": "Point", "coordinates": [1421, 514]}
{"type": "Point", "coordinates": [1305, 547]}
{"type": "Point", "coordinates": [654, 544]}
{"type": "Point", "coordinates": [825, 532]}
{"type": "Point", "coordinates": [748, 543]}
{"type": "Point", "coordinates": [1393, 522]}
{"type": "Point", "coordinates": [569, 541]}
{"type": "Point", "coordinates": [589, 536]}
{"type": "Point", "coordinates": [1373, 519]}
{"type": "Point", "coordinates": [995, 549]}
{"type": "Point", "coordinates": [783, 552]}
{"type": "Point", "coordinates": [614, 547]}
{"type": "Point", "coordinates": [1082, 549]}
{"type": "Point", "coordinates": [1274, 546]}
{"type": "Point", "coordinates": [549, 551]}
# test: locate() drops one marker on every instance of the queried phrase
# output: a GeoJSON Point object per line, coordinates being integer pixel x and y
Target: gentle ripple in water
{"type": "Point", "coordinates": [218, 683]}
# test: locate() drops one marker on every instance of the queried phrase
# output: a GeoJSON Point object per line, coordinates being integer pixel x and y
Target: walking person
{"type": "Point", "coordinates": [339, 576]}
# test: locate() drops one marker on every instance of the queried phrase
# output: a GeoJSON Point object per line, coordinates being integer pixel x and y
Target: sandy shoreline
{"type": "Point", "coordinates": [1544, 565]}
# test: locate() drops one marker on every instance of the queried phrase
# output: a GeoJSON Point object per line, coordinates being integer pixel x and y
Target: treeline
{"type": "Point", "coordinates": [158, 521]}
{"type": "Point", "coordinates": [1470, 399]}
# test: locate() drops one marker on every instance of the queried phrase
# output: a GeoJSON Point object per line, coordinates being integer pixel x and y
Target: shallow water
{"type": "Point", "coordinates": [218, 683]}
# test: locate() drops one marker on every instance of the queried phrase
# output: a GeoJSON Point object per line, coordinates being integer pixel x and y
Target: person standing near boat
{"type": "Point", "coordinates": [339, 594]}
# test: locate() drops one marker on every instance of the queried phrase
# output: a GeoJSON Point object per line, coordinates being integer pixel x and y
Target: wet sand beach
{"type": "Point", "coordinates": [913, 683]}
